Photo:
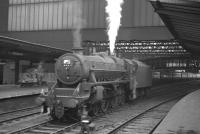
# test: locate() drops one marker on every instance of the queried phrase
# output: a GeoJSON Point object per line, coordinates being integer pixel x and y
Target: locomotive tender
{"type": "Point", "coordinates": [98, 81]}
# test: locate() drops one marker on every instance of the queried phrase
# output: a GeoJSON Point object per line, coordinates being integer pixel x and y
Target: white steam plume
{"type": "Point", "coordinates": [113, 9]}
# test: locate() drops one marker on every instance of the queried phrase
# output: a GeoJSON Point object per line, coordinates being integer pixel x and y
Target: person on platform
{"type": "Point", "coordinates": [39, 71]}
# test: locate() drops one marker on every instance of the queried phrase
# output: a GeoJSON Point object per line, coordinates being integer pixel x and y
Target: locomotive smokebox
{"type": "Point", "coordinates": [69, 68]}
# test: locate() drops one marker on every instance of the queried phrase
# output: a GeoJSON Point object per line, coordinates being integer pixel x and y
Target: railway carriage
{"type": "Point", "coordinates": [98, 81]}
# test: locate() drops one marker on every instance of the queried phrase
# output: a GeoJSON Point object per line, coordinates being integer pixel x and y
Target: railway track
{"type": "Point", "coordinates": [147, 110]}
{"type": "Point", "coordinates": [49, 127]}
{"type": "Point", "coordinates": [145, 122]}
{"type": "Point", "coordinates": [159, 108]}
{"type": "Point", "coordinates": [10, 116]}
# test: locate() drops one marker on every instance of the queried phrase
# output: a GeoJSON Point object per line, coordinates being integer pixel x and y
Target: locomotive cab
{"type": "Point", "coordinates": [131, 70]}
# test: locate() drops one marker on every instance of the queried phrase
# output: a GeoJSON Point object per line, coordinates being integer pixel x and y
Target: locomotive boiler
{"type": "Point", "coordinates": [97, 81]}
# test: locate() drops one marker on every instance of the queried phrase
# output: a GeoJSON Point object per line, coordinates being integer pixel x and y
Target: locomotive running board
{"type": "Point", "coordinates": [103, 70]}
{"type": "Point", "coordinates": [108, 82]}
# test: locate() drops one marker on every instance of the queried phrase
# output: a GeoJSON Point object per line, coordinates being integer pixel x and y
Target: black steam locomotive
{"type": "Point", "coordinates": [98, 82]}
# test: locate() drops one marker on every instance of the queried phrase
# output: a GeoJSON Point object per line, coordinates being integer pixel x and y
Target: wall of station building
{"type": "Point", "coordinates": [8, 70]}
{"type": "Point", "coordinates": [31, 15]}
{"type": "Point", "coordinates": [52, 22]}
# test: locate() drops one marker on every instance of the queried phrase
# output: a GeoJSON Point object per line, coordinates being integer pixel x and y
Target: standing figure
{"type": "Point", "coordinates": [39, 73]}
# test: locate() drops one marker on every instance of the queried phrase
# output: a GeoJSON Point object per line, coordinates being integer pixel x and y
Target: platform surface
{"type": "Point", "coordinates": [10, 91]}
{"type": "Point", "coordinates": [183, 118]}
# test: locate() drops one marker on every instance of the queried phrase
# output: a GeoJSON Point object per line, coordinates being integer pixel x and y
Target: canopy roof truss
{"type": "Point", "coordinates": [140, 49]}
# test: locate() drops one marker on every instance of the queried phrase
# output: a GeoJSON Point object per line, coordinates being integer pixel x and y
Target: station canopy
{"type": "Point", "coordinates": [11, 48]}
{"type": "Point", "coordinates": [182, 18]}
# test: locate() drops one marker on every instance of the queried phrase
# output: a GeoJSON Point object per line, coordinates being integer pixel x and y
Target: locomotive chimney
{"type": "Point", "coordinates": [77, 47]}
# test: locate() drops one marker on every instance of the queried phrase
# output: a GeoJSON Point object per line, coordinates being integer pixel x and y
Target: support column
{"type": "Point", "coordinates": [16, 71]}
{"type": "Point", "coordinates": [160, 74]}
{"type": "Point", "coordinates": [1, 74]}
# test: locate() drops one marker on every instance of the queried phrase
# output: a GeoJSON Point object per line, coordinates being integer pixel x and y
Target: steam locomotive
{"type": "Point", "coordinates": [99, 82]}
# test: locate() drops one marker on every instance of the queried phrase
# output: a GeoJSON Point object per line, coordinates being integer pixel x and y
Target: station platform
{"type": "Point", "coordinates": [183, 118]}
{"type": "Point", "coordinates": [11, 91]}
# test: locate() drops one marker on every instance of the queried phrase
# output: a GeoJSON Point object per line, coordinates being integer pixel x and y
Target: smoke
{"type": "Point", "coordinates": [113, 9]}
{"type": "Point", "coordinates": [78, 23]}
